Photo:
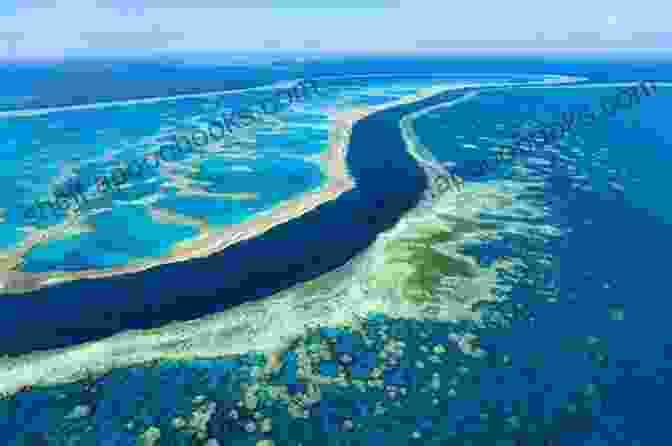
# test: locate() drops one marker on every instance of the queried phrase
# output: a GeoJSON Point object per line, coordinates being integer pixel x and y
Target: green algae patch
{"type": "Point", "coordinates": [430, 266]}
{"type": "Point", "coordinates": [417, 266]}
{"type": "Point", "coordinates": [466, 226]}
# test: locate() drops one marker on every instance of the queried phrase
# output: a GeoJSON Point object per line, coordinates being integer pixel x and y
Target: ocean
{"type": "Point", "coordinates": [594, 328]}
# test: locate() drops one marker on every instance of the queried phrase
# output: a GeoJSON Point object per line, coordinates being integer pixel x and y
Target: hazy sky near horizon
{"type": "Point", "coordinates": [62, 28]}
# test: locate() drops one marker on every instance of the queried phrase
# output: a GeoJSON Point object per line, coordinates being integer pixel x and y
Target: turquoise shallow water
{"type": "Point", "coordinates": [588, 368]}
{"type": "Point", "coordinates": [274, 165]}
{"type": "Point", "coordinates": [44, 150]}
{"type": "Point", "coordinates": [120, 235]}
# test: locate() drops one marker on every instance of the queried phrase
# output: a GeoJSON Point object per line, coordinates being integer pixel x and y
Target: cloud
{"type": "Point", "coordinates": [312, 44]}
{"type": "Point", "coordinates": [245, 4]}
{"type": "Point", "coordinates": [489, 43]}
{"type": "Point", "coordinates": [324, 25]}
{"type": "Point", "coordinates": [571, 39]}
{"type": "Point", "coordinates": [131, 39]}
{"type": "Point", "coordinates": [11, 35]}
{"type": "Point", "coordinates": [653, 38]}
{"type": "Point", "coordinates": [11, 38]}
{"type": "Point", "coordinates": [272, 44]}
{"type": "Point", "coordinates": [37, 4]}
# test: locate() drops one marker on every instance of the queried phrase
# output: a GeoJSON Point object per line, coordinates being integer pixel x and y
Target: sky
{"type": "Point", "coordinates": [63, 28]}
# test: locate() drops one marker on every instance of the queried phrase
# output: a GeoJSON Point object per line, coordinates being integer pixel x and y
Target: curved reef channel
{"type": "Point", "coordinates": [390, 183]}
{"type": "Point", "coordinates": [84, 310]}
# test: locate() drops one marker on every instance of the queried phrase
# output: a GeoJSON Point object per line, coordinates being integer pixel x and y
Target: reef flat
{"type": "Point", "coordinates": [209, 239]}
{"type": "Point", "coordinates": [418, 256]}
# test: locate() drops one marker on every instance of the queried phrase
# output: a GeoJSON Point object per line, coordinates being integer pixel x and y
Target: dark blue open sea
{"type": "Point", "coordinates": [592, 366]}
